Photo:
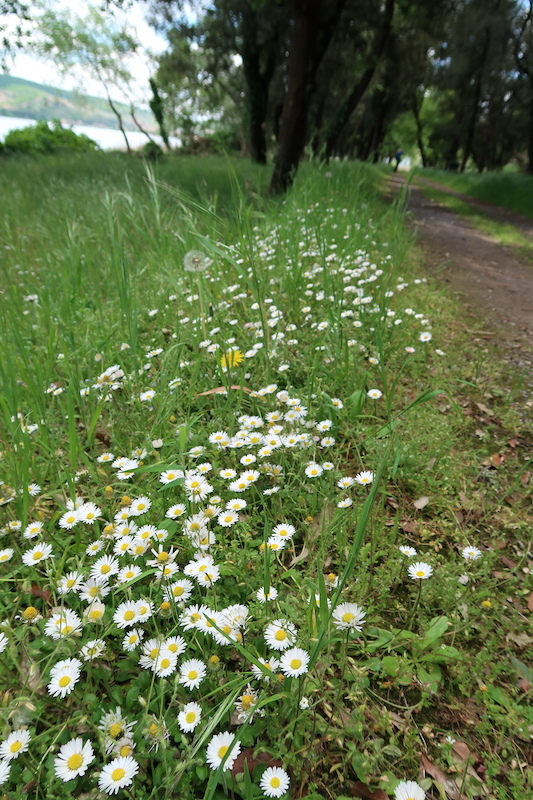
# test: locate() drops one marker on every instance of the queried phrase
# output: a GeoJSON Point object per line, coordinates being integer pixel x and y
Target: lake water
{"type": "Point", "coordinates": [107, 138]}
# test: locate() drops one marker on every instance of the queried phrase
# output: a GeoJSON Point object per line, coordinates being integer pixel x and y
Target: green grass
{"type": "Point", "coordinates": [93, 276]}
{"type": "Point", "coordinates": [506, 235]}
{"type": "Point", "coordinates": [511, 190]}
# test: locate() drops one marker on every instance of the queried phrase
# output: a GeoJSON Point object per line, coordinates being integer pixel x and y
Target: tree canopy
{"type": "Point", "coordinates": [450, 82]}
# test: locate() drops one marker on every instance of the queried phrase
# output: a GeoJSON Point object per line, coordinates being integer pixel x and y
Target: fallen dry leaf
{"type": "Point", "coordinates": [448, 785]}
{"type": "Point", "coordinates": [530, 602]}
{"type": "Point", "coordinates": [421, 502]}
{"type": "Point", "coordinates": [360, 789]}
{"type": "Point", "coordinates": [409, 526]}
{"type": "Point", "coordinates": [462, 749]}
{"type": "Point", "coordinates": [497, 459]}
{"type": "Point", "coordinates": [247, 756]}
{"type": "Point", "coordinates": [300, 557]}
{"type": "Point", "coordinates": [223, 390]}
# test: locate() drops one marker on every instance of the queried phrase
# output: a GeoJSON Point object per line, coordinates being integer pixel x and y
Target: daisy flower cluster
{"type": "Point", "coordinates": [160, 601]}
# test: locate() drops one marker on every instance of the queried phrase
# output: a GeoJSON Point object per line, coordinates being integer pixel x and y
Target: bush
{"type": "Point", "coordinates": [41, 139]}
{"type": "Point", "coordinates": [152, 151]}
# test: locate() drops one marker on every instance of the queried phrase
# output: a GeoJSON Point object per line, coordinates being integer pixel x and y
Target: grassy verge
{"type": "Point", "coordinates": [506, 235]}
{"type": "Point", "coordinates": [253, 462]}
{"type": "Point", "coordinates": [507, 189]}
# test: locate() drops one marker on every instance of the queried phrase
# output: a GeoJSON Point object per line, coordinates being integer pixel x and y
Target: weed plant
{"type": "Point", "coordinates": [217, 412]}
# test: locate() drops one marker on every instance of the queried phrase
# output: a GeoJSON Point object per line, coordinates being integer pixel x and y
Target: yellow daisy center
{"type": "Point", "coordinates": [165, 663]}
{"type": "Point", "coordinates": [295, 663]}
{"type": "Point", "coordinates": [115, 730]}
{"type": "Point", "coordinates": [222, 751]}
{"type": "Point", "coordinates": [38, 554]}
{"type": "Point", "coordinates": [118, 774]}
{"type": "Point", "coordinates": [14, 747]}
{"type": "Point", "coordinates": [125, 750]}
{"type": "Point", "coordinates": [420, 573]}
{"type": "Point", "coordinates": [75, 761]}
{"type": "Point", "coordinates": [154, 652]}
{"type": "Point", "coordinates": [275, 782]}
{"type": "Point", "coordinates": [129, 615]}
{"type": "Point", "coordinates": [177, 591]}
{"type": "Point", "coordinates": [192, 675]}
{"type": "Point", "coordinates": [163, 556]}
{"type": "Point", "coordinates": [247, 701]}
{"type": "Point", "coordinates": [347, 617]}
{"type": "Point", "coordinates": [280, 635]}
{"type": "Point", "coordinates": [64, 681]}
{"type": "Point", "coordinates": [190, 716]}
{"type": "Point", "coordinates": [30, 613]}
{"type": "Point", "coordinates": [105, 568]}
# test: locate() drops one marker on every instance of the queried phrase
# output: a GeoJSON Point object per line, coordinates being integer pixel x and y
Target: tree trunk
{"type": "Point", "coordinates": [419, 128]}
{"type": "Point", "coordinates": [156, 106]}
{"type": "Point", "coordinates": [351, 102]}
{"type": "Point", "coordinates": [139, 126]}
{"type": "Point", "coordinates": [530, 142]}
{"type": "Point", "coordinates": [118, 115]}
{"type": "Point", "coordinates": [258, 81]}
{"type": "Point", "coordinates": [311, 35]}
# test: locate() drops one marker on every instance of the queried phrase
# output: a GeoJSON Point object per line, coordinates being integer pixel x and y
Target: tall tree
{"type": "Point", "coordinates": [93, 42]}
{"type": "Point", "coordinates": [313, 25]}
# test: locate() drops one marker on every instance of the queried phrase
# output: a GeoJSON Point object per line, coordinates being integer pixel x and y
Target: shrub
{"type": "Point", "coordinates": [42, 139]}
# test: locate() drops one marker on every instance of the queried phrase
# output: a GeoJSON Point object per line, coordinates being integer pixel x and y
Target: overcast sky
{"type": "Point", "coordinates": [33, 69]}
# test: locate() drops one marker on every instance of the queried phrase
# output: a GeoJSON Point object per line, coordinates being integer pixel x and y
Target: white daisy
{"type": "Point", "coordinates": [223, 747]}
{"type": "Point", "coordinates": [364, 478]}
{"type": "Point", "coordinates": [294, 662]}
{"type": "Point", "coordinates": [420, 570]}
{"type": "Point", "coordinates": [190, 717]}
{"type": "Point", "coordinates": [117, 774]}
{"type": "Point", "coordinates": [38, 552]}
{"type": "Point", "coordinates": [192, 673]}
{"type": "Point", "coordinates": [274, 782]}
{"type": "Point", "coordinates": [15, 744]}
{"type": "Point", "coordinates": [132, 639]}
{"type": "Point", "coordinates": [64, 676]}
{"type": "Point", "coordinates": [5, 768]}
{"type": "Point", "coordinates": [409, 790]}
{"type": "Point", "coordinates": [280, 634]}
{"type": "Point", "coordinates": [73, 759]}
{"type": "Point", "coordinates": [470, 553]}
{"type": "Point", "coordinates": [405, 550]}
{"type": "Point", "coordinates": [348, 616]}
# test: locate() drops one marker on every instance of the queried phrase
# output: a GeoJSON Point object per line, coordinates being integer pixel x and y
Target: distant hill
{"type": "Point", "coordinates": [21, 98]}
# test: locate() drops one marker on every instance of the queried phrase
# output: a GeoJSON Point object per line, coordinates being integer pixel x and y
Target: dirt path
{"type": "Point", "coordinates": [491, 282]}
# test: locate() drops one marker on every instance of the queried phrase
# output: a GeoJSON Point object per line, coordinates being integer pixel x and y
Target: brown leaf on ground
{"type": "Point", "coordinates": [421, 502]}
{"type": "Point", "coordinates": [409, 526]}
{"type": "Point", "coordinates": [321, 522]}
{"type": "Point", "coordinates": [508, 562]}
{"type": "Point", "coordinates": [530, 602]}
{"type": "Point", "coordinates": [103, 435]}
{"type": "Point", "coordinates": [484, 409]}
{"type": "Point", "coordinates": [520, 639]}
{"type": "Point", "coordinates": [392, 502]}
{"type": "Point", "coordinates": [360, 789]}
{"type": "Point", "coordinates": [497, 459]}
{"type": "Point", "coordinates": [43, 593]}
{"type": "Point", "coordinates": [300, 557]}
{"type": "Point", "coordinates": [526, 477]}
{"type": "Point", "coordinates": [223, 390]}
{"type": "Point", "coordinates": [462, 749]}
{"type": "Point", "coordinates": [247, 756]}
{"type": "Point", "coordinates": [447, 784]}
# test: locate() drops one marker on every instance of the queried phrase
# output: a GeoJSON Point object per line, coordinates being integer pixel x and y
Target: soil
{"type": "Point", "coordinates": [490, 280]}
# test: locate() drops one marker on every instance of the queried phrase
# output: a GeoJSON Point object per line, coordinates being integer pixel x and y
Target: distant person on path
{"type": "Point", "coordinates": [398, 156]}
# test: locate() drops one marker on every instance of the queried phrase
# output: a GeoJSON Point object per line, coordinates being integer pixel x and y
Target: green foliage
{"type": "Point", "coordinates": [46, 139]}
